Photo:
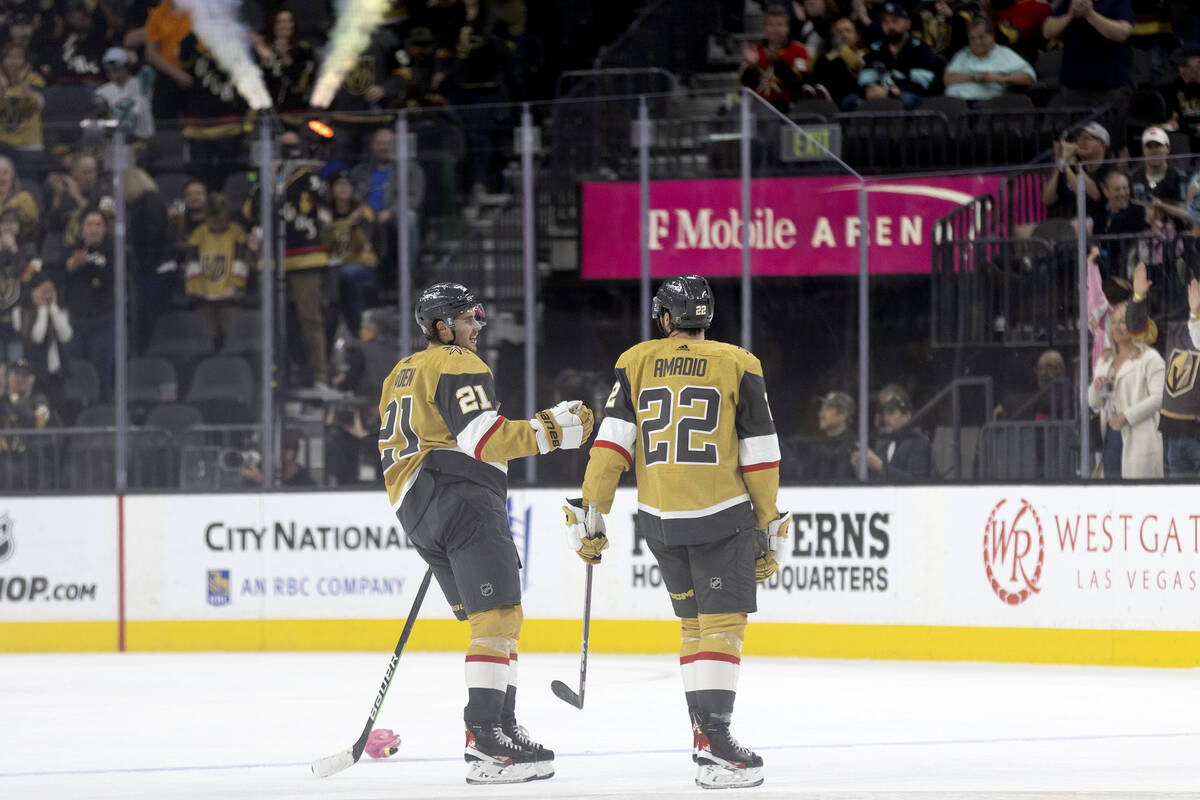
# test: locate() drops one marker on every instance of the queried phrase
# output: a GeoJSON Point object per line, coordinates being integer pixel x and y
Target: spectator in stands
{"type": "Point", "coordinates": [422, 75]}
{"type": "Point", "coordinates": [1129, 377]}
{"type": "Point", "coordinates": [188, 212]}
{"type": "Point", "coordinates": [70, 193]}
{"type": "Point", "coordinates": [1183, 95]}
{"type": "Point", "coordinates": [20, 272]}
{"type": "Point", "coordinates": [1087, 152]}
{"type": "Point", "coordinates": [77, 55]}
{"type": "Point", "coordinates": [150, 259]}
{"type": "Point", "coordinates": [837, 69]}
{"type": "Point", "coordinates": [907, 453]}
{"type": "Point", "coordinates": [291, 472]}
{"type": "Point", "coordinates": [166, 28]}
{"type": "Point", "coordinates": [46, 330]}
{"type": "Point", "coordinates": [89, 291]}
{"type": "Point", "coordinates": [369, 88]}
{"type": "Point", "coordinates": [810, 23]}
{"type": "Point", "coordinates": [214, 124]}
{"type": "Point", "coordinates": [376, 182]}
{"type": "Point", "coordinates": [514, 15]}
{"type": "Point", "coordinates": [1097, 65]}
{"type": "Point", "coordinates": [1020, 24]}
{"type": "Point", "coordinates": [289, 64]}
{"type": "Point", "coordinates": [983, 69]}
{"type": "Point", "coordinates": [305, 261]}
{"type": "Point", "coordinates": [776, 67]}
{"type": "Point", "coordinates": [1120, 215]}
{"type": "Point", "coordinates": [25, 399]}
{"type": "Point", "coordinates": [479, 47]}
{"type": "Point", "coordinates": [13, 197]}
{"type": "Point", "coordinates": [20, 29]}
{"type": "Point", "coordinates": [21, 106]}
{"type": "Point", "coordinates": [126, 97]}
{"type": "Point", "coordinates": [1157, 181]}
{"type": "Point", "coordinates": [830, 460]}
{"type": "Point", "coordinates": [1179, 406]}
{"type": "Point", "coordinates": [898, 66]}
{"type": "Point", "coordinates": [347, 236]}
{"type": "Point", "coordinates": [1015, 405]}
{"type": "Point", "coordinates": [943, 25]}
{"type": "Point", "coordinates": [216, 270]}
{"type": "Point", "coordinates": [351, 437]}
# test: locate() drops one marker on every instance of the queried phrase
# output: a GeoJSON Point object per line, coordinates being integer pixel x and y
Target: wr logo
{"type": "Point", "coordinates": [1014, 567]}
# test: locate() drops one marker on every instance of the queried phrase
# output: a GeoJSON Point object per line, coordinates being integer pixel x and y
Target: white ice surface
{"type": "Point", "coordinates": [220, 726]}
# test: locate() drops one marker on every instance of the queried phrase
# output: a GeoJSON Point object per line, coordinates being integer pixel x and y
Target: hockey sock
{"type": "Point", "coordinates": [689, 645]}
{"type": "Point", "coordinates": [715, 666]}
{"type": "Point", "coordinates": [493, 637]}
{"type": "Point", "coordinates": [509, 714]}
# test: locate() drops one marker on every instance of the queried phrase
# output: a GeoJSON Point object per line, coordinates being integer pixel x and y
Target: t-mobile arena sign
{"type": "Point", "coordinates": [798, 226]}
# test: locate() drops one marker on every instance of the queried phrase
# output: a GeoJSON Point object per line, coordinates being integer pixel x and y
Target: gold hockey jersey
{"type": "Point", "coordinates": [439, 413]}
{"type": "Point", "coordinates": [691, 415]}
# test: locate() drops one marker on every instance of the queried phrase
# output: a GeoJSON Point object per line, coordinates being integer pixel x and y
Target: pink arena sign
{"type": "Point", "coordinates": [799, 226]}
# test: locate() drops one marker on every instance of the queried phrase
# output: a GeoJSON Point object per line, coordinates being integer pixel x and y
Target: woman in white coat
{"type": "Point", "coordinates": [1126, 391]}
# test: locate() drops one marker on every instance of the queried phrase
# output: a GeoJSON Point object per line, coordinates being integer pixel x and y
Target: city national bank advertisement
{"type": "Point", "coordinates": [798, 226]}
{"type": "Point", "coordinates": [1060, 574]}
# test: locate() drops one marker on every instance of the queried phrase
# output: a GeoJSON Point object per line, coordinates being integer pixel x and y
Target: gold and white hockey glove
{"type": "Point", "coordinates": [585, 530]}
{"type": "Point", "coordinates": [771, 541]}
{"type": "Point", "coordinates": [566, 425]}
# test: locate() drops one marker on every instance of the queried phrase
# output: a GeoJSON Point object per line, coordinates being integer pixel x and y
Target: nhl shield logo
{"type": "Point", "coordinates": [7, 544]}
{"type": "Point", "coordinates": [486, 589]}
{"type": "Point", "coordinates": [714, 582]}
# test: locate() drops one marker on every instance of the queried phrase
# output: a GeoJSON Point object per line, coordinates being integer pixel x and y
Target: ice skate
{"type": "Point", "coordinates": [544, 756]}
{"type": "Point", "coordinates": [492, 757]}
{"type": "Point", "coordinates": [722, 763]}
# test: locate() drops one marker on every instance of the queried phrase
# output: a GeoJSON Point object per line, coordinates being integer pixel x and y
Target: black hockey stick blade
{"type": "Point", "coordinates": [560, 689]}
{"type": "Point", "coordinates": [566, 694]}
{"type": "Point", "coordinates": [344, 759]}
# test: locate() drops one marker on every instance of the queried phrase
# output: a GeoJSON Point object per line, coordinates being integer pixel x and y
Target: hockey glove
{"type": "Point", "coordinates": [567, 425]}
{"type": "Point", "coordinates": [770, 542]}
{"type": "Point", "coordinates": [585, 530]}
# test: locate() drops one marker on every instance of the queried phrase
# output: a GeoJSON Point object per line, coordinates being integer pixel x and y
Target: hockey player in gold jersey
{"type": "Point", "coordinates": [445, 450]}
{"type": "Point", "coordinates": [690, 416]}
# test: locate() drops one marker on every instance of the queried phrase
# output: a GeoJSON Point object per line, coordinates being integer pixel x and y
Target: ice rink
{"type": "Point", "coordinates": [247, 725]}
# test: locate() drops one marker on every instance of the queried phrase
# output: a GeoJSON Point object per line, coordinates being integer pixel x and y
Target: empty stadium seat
{"type": "Point", "coordinates": [151, 380]}
{"type": "Point", "coordinates": [223, 389]}
{"type": "Point", "coordinates": [183, 338]}
{"type": "Point", "coordinates": [176, 418]}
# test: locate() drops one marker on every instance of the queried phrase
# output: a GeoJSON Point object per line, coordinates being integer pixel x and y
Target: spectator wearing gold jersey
{"type": "Point", "coordinates": [347, 232]}
{"type": "Point", "coordinates": [217, 267]}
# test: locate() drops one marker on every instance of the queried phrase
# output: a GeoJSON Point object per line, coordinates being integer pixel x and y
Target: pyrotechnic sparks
{"type": "Point", "coordinates": [217, 24]}
{"type": "Point", "coordinates": [356, 21]}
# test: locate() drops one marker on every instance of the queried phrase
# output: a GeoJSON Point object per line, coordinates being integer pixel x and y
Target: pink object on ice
{"type": "Point", "coordinates": [382, 743]}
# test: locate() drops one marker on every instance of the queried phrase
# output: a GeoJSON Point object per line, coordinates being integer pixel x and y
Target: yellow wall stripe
{"type": "Point", "coordinates": [58, 637]}
{"type": "Point", "coordinates": [915, 642]}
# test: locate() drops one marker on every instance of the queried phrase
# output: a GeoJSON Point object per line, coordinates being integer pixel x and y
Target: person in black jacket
{"type": "Point", "coordinates": [89, 292]}
{"type": "Point", "coordinates": [831, 453]}
{"type": "Point", "coordinates": [902, 452]}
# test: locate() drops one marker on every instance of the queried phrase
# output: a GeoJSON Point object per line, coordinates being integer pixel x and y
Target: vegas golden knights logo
{"type": "Point", "coordinates": [361, 77]}
{"type": "Point", "coordinates": [1181, 372]}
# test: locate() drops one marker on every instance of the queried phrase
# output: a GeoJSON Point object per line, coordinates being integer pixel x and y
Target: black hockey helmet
{"type": "Point", "coordinates": [689, 301]}
{"type": "Point", "coordinates": [445, 301]}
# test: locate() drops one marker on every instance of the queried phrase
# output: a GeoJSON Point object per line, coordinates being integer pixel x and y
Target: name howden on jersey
{"type": "Point", "coordinates": [705, 229]}
{"type": "Point", "coordinates": [220, 536]}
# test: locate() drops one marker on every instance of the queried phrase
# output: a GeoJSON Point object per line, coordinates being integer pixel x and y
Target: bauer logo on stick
{"type": "Point", "coordinates": [7, 544]}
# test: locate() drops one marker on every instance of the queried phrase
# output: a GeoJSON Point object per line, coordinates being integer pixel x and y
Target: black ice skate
{"type": "Point", "coordinates": [544, 755]}
{"type": "Point", "coordinates": [492, 757]}
{"type": "Point", "coordinates": [722, 763]}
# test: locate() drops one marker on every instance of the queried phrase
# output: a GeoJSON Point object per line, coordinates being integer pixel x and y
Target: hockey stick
{"type": "Point", "coordinates": [324, 767]}
{"type": "Point", "coordinates": [560, 689]}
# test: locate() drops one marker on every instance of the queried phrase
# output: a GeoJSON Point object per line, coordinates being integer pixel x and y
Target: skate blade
{"type": "Point", "coordinates": [543, 770]}
{"type": "Point", "coordinates": [485, 772]}
{"type": "Point", "coordinates": [715, 776]}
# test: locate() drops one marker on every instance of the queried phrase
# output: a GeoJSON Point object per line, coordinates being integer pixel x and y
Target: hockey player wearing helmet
{"type": "Point", "coordinates": [690, 416]}
{"type": "Point", "coordinates": [445, 450]}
